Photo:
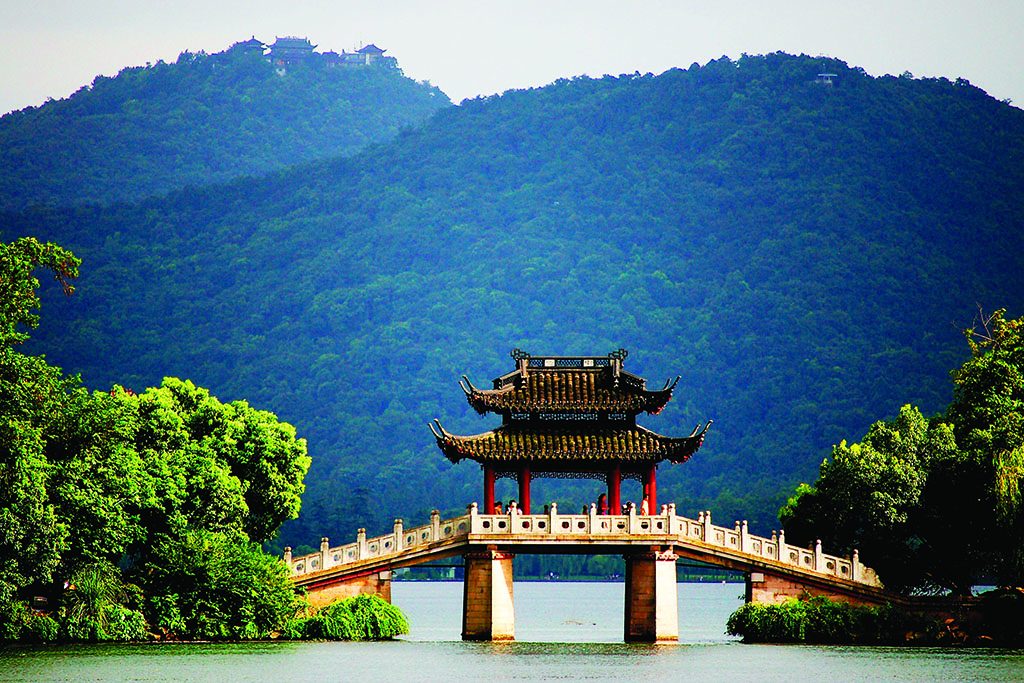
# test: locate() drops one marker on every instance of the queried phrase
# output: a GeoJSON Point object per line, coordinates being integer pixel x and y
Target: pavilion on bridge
{"type": "Point", "coordinates": [569, 417]}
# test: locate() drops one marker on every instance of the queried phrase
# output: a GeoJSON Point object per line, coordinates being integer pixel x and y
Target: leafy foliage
{"type": "Point", "coordinates": [213, 585]}
{"type": "Point", "coordinates": [93, 608]}
{"type": "Point", "coordinates": [869, 496]}
{"type": "Point", "coordinates": [934, 504]}
{"type": "Point", "coordinates": [363, 617]}
{"type": "Point", "coordinates": [172, 484]}
{"type": "Point", "coordinates": [988, 412]}
{"type": "Point", "coordinates": [204, 118]}
{"type": "Point", "coordinates": [820, 620]}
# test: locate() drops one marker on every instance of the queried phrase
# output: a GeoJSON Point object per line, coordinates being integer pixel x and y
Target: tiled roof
{"type": "Point", "coordinates": [512, 443]}
{"type": "Point", "coordinates": [570, 391]}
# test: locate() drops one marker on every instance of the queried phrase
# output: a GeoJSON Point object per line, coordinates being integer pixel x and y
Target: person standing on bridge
{"type": "Point", "coordinates": [645, 507]}
{"type": "Point", "coordinates": [497, 508]}
{"type": "Point", "coordinates": [602, 504]}
{"type": "Point", "coordinates": [513, 509]}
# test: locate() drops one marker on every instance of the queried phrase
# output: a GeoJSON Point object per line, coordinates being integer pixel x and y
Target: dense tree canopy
{"type": "Point", "coordinates": [934, 503]}
{"type": "Point", "coordinates": [202, 119]}
{"type": "Point", "coordinates": [171, 484]}
{"type": "Point", "coordinates": [795, 251]}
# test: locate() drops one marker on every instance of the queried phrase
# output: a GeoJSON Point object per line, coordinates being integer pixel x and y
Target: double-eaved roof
{"type": "Point", "coordinates": [568, 413]}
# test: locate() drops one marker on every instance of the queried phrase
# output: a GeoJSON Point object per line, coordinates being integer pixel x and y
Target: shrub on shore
{"type": "Point", "coordinates": [363, 617]}
{"type": "Point", "coordinates": [819, 620]}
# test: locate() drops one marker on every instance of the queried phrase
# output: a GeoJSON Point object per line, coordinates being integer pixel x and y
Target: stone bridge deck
{"type": "Point", "coordinates": [775, 570]}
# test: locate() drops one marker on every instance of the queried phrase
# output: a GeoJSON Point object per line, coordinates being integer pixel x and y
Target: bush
{"type": "Point", "coordinates": [124, 625]}
{"type": "Point", "coordinates": [363, 617]}
{"type": "Point", "coordinates": [213, 586]}
{"type": "Point", "coordinates": [818, 620]}
{"type": "Point", "coordinates": [40, 628]}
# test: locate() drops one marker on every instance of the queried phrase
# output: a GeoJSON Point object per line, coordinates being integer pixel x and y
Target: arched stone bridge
{"type": "Point", "coordinates": [651, 545]}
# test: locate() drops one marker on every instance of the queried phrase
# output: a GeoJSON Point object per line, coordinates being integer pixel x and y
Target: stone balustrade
{"type": "Point", "coordinates": [591, 526]}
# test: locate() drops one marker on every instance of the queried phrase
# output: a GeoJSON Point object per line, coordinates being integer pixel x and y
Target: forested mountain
{"type": "Point", "coordinates": [802, 254]}
{"type": "Point", "coordinates": [205, 118]}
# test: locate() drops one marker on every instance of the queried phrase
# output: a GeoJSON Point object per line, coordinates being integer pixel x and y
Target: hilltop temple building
{"type": "Point", "coordinates": [569, 417]}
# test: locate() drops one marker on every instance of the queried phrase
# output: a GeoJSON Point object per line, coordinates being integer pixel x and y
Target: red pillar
{"type": "Point", "coordinates": [615, 490]}
{"type": "Point", "coordinates": [488, 490]}
{"type": "Point", "coordinates": [524, 489]}
{"type": "Point", "coordinates": [651, 489]}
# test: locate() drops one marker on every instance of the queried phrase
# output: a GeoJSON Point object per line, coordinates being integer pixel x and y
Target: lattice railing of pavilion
{"type": "Point", "coordinates": [591, 525]}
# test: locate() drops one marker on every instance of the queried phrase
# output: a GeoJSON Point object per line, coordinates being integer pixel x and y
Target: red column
{"type": "Point", "coordinates": [651, 489]}
{"type": "Point", "coordinates": [615, 490]}
{"type": "Point", "coordinates": [488, 490]}
{"type": "Point", "coordinates": [524, 489]}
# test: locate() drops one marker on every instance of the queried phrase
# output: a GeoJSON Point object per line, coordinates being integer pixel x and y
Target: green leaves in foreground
{"type": "Point", "coordinates": [363, 617]}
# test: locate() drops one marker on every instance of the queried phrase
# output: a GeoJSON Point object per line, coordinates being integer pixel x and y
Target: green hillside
{"type": "Point", "coordinates": [205, 118]}
{"type": "Point", "coordinates": [801, 254]}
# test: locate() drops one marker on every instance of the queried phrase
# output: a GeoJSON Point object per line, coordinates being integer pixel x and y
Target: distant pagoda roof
{"type": "Point", "coordinates": [292, 43]}
{"type": "Point", "coordinates": [565, 445]}
{"type": "Point", "coordinates": [568, 413]}
{"type": "Point", "coordinates": [371, 49]}
{"type": "Point", "coordinates": [569, 384]}
{"type": "Point", "coordinates": [250, 44]}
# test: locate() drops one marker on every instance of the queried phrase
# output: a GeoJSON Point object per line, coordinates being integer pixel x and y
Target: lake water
{"type": "Point", "coordinates": [565, 631]}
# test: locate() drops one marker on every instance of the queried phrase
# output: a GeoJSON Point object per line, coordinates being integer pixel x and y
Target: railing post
{"type": "Point", "coordinates": [634, 524]}
{"type": "Point", "coordinates": [708, 533]}
{"type": "Point", "coordinates": [855, 565]}
{"type": "Point", "coordinates": [552, 513]}
{"type": "Point", "coordinates": [360, 543]}
{"type": "Point", "coordinates": [783, 552]}
{"type": "Point", "coordinates": [288, 557]}
{"type": "Point", "coordinates": [592, 518]}
{"type": "Point", "coordinates": [670, 514]}
{"type": "Point", "coordinates": [325, 547]}
{"type": "Point", "coordinates": [435, 525]}
{"type": "Point", "coordinates": [399, 534]}
{"type": "Point", "coordinates": [819, 559]}
{"type": "Point", "coordinates": [744, 538]}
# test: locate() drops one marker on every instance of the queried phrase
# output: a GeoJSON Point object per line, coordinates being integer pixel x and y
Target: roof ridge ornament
{"type": "Point", "coordinates": [519, 354]}
{"type": "Point", "coordinates": [619, 355]}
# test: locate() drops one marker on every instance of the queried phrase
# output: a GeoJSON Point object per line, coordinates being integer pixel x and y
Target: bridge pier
{"type": "Point", "coordinates": [488, 611]}
{"type": "Point", "coordinates": [652, 608]}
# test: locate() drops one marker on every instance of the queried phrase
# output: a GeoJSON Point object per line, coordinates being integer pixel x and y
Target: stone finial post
{"type": "Point", "coordinates": [783, 554]}
{"type": "Point", "coordinates": [855, 565]}
{"type": "Point", "coordinates": [634, 523]}
{"type": "Point", "coordinates": [473, 510]}
{"type": "Point", "coordinates": [592, 517]}
{"type": "Point", "coordinates": [360, 543]}
{"type": "Point", "coordinates": [325, 548]}
{"type": "Point", "coordinates": [552, 514]}
{"type": "Point", "coordinates": [435, 525]}
{"type": "Point", "coordinates": [288, 557]}
{"type": "Point", "coordinates": [706, 520]}
{"type": "Point", "coordinates": [819, 557]}
{"type": "Point", "coordinates": [744, 537]}
{"type": "Point", "coordinates": [399, 532]}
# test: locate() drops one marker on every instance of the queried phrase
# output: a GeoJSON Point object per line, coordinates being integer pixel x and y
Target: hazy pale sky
{"type": "Point", "coordinates": [50, 48]}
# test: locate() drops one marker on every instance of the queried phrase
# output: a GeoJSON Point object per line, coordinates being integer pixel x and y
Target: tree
{"type": "Point", "coordinates": [868, 496]}
{"type": "Point", "coordinates": [32, 536]}
{"type": "Point", "coordinates": [988, 412]}
{"type": "Point", "coordinates": [18, 285]}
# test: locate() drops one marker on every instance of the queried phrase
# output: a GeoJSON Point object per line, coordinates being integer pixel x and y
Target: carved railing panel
{"type": "Point", "coordinates": [594, 526]}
